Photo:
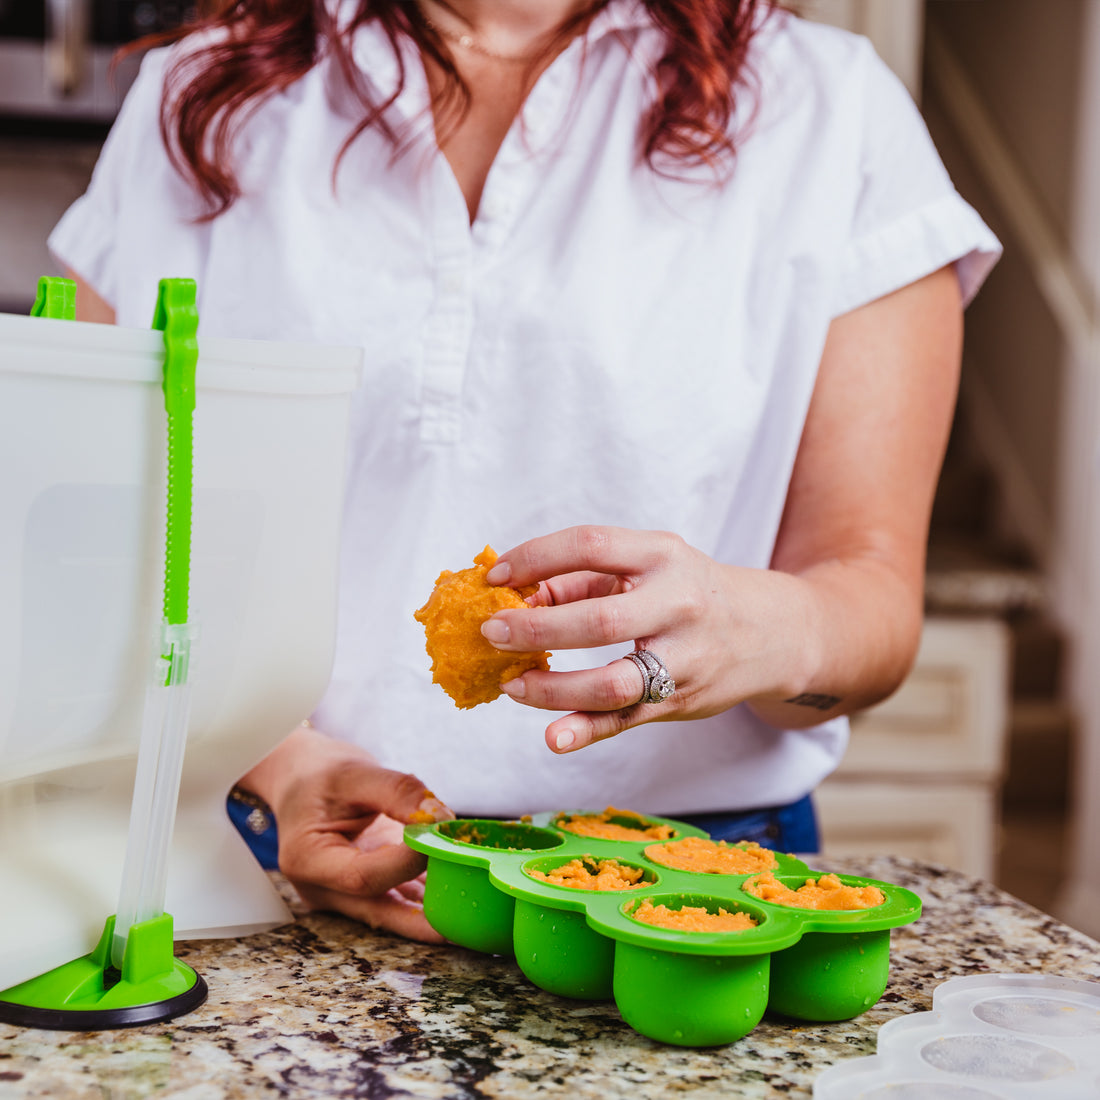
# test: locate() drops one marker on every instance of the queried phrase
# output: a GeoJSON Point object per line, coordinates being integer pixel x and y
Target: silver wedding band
{"type": "Point", "coordinates": [657, 684]}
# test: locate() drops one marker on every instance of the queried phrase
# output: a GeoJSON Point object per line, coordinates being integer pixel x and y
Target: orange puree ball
{"type": "Point", "coordinates": [464, 664]}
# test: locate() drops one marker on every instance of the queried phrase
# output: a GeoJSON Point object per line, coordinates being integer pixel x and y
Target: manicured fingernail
{"type": "Point", "coordinates": [565, 739]}
{"type": "Point", "coordinates": [496, 631]}
{"type": "Point", "coordinates": [501, 573]}
{"type": "Point", "coordinates": [517, 689]}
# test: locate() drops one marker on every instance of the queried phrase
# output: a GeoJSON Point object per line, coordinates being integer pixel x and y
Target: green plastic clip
{"type": "Point", "coordinates": [177, 317]}
{"type": "Point", "coordinates": [56, 298]}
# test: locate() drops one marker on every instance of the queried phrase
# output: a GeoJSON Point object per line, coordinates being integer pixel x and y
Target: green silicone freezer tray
{"type": "Point", "coordinates": [684, 988]}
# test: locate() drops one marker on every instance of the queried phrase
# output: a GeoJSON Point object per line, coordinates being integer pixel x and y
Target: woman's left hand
{"type": "Point", "coordinates": [725, 634]}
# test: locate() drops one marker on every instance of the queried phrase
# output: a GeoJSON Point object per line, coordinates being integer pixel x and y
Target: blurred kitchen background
{"type": "Point", "coordinates": [988, 759]}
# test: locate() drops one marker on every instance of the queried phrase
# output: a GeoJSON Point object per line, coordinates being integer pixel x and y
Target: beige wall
{"type": "Point", "coordinates": [1023, 59]}
{"type": "Point", "coordinates": [1013, 96]}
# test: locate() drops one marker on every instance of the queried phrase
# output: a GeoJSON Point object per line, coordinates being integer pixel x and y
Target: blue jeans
{"type": "Point", "coordinates": [265, 844]}
{"type": "Point", "coordinates": [791, 828]}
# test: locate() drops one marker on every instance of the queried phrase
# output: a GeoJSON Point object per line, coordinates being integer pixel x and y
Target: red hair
{"type": "Point", "coordinates": [256, 48]}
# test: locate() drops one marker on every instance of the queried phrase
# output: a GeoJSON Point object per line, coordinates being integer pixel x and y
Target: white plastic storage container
{"type": "Point", "coordinates": [82, 481]}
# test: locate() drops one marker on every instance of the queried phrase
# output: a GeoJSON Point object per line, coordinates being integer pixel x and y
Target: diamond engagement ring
{"type": "Point", "coordinates": [657, 684]}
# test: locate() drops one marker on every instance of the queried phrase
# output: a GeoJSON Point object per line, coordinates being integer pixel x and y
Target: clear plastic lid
{"type": "Point", "coordinates": [988, 1037]}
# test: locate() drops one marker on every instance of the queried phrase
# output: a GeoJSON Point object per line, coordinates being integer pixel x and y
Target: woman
{"type": "Point", "coordinates": [663, 296]}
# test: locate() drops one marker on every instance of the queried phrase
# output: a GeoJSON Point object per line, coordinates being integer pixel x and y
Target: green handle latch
{"type": "Point", "coordinates": [56, 298]}
{"type": "Point", "coordinates": [178, 318]}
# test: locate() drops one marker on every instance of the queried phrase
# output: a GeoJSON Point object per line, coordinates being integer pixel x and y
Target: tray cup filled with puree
{"type": "Point", "coordinates": [689, 955]}
{"type": "Point", "coordinates": [615, 824]}
{"type": "Point", "coordinates": [713, 857]}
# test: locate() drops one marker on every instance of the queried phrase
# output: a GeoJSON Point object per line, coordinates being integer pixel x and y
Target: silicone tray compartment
{"type": "Point", "coordinates": [988, 1037]}
{"type": "Point", "coordinates": [684, 988]}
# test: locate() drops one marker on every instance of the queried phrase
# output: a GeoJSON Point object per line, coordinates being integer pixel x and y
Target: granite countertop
{"type": "Point", "coordinates": [325, 1007]}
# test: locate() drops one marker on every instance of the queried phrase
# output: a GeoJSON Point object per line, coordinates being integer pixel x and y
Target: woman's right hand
{"type": "Point", "coordinates": [340, 817]}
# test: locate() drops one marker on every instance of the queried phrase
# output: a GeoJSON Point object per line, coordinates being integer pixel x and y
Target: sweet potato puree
{"type": "Point", "coordinates": [464, 664]}
{"type": "Point", "coordinates": [712, 857]}
{"type": "Point", "coordinates": [506, 836]}
{"type": "Point", "coordinates": [588, 873]}
{"type": "Point", "coordinates": [614, 824]}
{"type": "Point", "coordinates": [828, 892]}
{"type": "Point", "coordinates": [691, 918]}
{"type": "Point", "coordinates": [469, 833]}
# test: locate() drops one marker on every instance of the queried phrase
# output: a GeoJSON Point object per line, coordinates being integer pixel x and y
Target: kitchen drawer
{"type": "Point", "coordinates": [954, 824]}
{"type": "Point", "coordinates": [950, 716]}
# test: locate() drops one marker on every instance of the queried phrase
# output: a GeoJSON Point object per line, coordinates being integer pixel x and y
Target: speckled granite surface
{"type": "Point", "coordinates": [325, 1008]}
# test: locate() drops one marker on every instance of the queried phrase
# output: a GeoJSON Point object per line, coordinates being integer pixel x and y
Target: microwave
{"type": "Point", "coordinates": [55, 55]}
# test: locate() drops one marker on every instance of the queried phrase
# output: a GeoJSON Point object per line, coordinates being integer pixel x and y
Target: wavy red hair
{"type": "Point", "coordinates": [257, 48]}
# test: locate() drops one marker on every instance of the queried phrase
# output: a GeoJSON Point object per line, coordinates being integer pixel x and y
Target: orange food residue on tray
{"type": "Point", "coordinates": [692, 918]}
{"type": "Point", "coordinates": [588, 873]}
{"type": "Point", "coordinates": [614, 824]}
{"type": "Point", "coordinates": [827, 892]}
{"type": "Point", "coordinates": [468, 668]}
{"type": "Point", "coordinates": [712, 857]}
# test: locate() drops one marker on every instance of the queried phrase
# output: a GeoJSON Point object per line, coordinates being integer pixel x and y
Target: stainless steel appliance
{"type": "Point", "coordinates": [55, 54]}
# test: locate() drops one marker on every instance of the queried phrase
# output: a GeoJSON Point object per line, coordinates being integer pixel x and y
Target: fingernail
{"type": "Point", "coordinates": [517, 689]}
{"type": "Point", "coordinates": [431, 810]}
{"type": "Point", "coordinates": [496, 631]}
{"type": "Point", "coordinates": [501, 573]}
{"type": "Point", "coordinates": [565, 739]}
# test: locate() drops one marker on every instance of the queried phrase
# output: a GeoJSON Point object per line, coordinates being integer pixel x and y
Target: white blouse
{"type": "Point", "coordinates": [603, 345]}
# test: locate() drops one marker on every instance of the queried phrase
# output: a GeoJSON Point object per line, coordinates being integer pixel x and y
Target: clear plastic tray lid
{"type": "Point", "coordinates": [988, 1037]}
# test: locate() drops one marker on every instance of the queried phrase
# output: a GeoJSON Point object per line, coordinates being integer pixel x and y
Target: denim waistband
{"type": "Point", "coordinates": [790, 828]}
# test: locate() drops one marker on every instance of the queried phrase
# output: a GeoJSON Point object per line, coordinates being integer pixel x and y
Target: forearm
{"type": "Point", "coordinates": [89, 305]}
{"type": "Point", "coordinates": [855, 521]}
{"type": "Point", "coordinates": [303, 752]}
{"type": "Point", "coordinates": [853, 631]}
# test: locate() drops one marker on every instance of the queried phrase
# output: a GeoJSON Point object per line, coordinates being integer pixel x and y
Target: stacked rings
{"type": "Point", "coordinates": [657, 684]}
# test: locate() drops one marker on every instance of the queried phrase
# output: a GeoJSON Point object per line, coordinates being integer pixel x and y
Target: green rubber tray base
{"type": "Point", "coordinates": [89, 994]}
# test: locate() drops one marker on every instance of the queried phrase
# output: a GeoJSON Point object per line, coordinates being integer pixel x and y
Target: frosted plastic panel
{"type": "Point", "coordinates": [91, 585]}
{"type": "Point", "coordinates": [81, 558]}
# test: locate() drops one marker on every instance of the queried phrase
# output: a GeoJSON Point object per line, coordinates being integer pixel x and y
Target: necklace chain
{"type": "Point", "coordinates": [468, 42]}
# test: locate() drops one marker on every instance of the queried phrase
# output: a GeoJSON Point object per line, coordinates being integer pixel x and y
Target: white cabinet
{"type": "Point", "coordinates": [922, 774]}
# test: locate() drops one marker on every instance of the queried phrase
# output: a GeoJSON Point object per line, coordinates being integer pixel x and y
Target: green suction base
{"type": "Point", "coordinates": [89, 994]}
{"type": "Point", "coordinates": [104, 1019]}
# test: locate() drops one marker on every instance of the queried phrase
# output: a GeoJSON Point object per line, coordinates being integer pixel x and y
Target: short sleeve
{"type": "Point", "coordinates": [908, 219]}
{"type": "Point", "coordinates": [135, 198]}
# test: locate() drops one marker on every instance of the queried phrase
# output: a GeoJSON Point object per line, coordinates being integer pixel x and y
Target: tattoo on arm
{"type": "Point", "coordinates": [815, 699]}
